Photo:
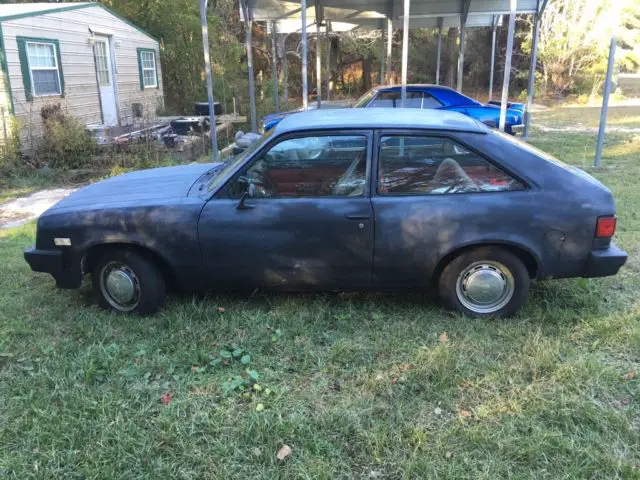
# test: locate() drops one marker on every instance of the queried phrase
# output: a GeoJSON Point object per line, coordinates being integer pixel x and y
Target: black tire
{"type": "Point", "coordinates": [149, 284]}
{"type": "Point", "coordinates": [501, 265]}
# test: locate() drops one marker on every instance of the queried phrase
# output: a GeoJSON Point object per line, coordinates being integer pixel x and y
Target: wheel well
{"type": "Point", "coordinates": [93, 255]}
{"type": "Point", "coordinates": [525, 257]}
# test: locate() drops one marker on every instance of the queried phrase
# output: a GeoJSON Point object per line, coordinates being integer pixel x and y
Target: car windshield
{"type": "Point", "coordinates": [364, 99]}
{"type": "Point", "coordinates": [223, 170]}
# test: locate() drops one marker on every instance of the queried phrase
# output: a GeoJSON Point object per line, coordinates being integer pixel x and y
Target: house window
{"type": "Point", "coordinates": [148, 68]}
{"type": "Point", "coordinates": [41, 66]}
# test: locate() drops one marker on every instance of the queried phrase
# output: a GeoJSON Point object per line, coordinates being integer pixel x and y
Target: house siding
{"type": "Point", "coordinates": [82, 97]}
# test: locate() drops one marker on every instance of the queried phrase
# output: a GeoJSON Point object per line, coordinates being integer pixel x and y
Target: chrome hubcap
{"type": "Point", "coordinates": [485, 287]}
{"type": "Point", "coordinates": [120, 286]}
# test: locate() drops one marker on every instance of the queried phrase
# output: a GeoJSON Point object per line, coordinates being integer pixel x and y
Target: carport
{"type": "Point", "coordinates": [384, 15]}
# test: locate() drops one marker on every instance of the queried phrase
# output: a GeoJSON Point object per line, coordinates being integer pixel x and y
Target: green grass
{"type": "Point", "coordinates": [588, 117]}
{"type": "Point", "coordinates": [360, 385]}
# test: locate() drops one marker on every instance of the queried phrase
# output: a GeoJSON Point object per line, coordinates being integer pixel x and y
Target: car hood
{"type": "Point", "coordinates": [138, 187]}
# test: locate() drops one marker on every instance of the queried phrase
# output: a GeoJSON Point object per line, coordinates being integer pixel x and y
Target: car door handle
{"type": "Point", "coordinates": [358, 217]}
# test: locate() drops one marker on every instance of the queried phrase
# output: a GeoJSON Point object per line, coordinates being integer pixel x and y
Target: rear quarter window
{"type": "Point", "coordinates": [423, 165]}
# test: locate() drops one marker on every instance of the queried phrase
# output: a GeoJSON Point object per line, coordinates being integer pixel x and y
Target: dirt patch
{"type": "Point", "coordinates": [21, 210]}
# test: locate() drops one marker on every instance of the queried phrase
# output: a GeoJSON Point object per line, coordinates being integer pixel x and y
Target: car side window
{"type": "Point", "coordinates": [313, 166]}
{"type": "Point", "coordinates": [412, 165]}
{"type": "Point", "coordinates": [394, 100]}
{"type": "Point", "coordinates": [430, 102]}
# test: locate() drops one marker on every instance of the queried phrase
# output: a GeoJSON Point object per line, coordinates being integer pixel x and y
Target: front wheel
{"type": "Point", "coordinates": [127, 282]}
{"type": "Point", "coordinates": [485, 282]}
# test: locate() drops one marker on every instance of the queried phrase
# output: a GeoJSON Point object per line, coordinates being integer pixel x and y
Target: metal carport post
{"type": "Point", "coordinates": [507, 64]}
{"type": "Point", "coordinates": [389, 47]}
{"type": "Point", "coordinates": [318, 54]}
{"type": "Point", "coordinates": [605, 102]}
{"type": "Point", "coordinates": [248, 25]}
{"type": "Point", "coordinates": [276, 93]}
{"type": "Point", "coordinates": [532, 65]}
{"type": "Point", "coordinates": [305, 87]}
{"type": "Point", "coordinates": [463, 27]}
{"type": "Point", "coordinates": [439, 51]}
{"type": "Point", "coordinates": [494, 27]}
{"type": "Point", "coordinates": [207, 66]}
{"type": "Point", "coordinates": [405, 49]}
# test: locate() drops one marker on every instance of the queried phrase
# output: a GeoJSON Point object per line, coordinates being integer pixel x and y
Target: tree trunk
{"type": "Point", "coordinates": [451, 57]}
{"type": "Point", "coordinates": [367, 64]}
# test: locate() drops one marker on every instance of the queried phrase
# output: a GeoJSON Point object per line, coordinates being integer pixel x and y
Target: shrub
{"type": "Point", "coordinates": [65, 143]}
{"type": "Point", "coordinates": [10, 153]}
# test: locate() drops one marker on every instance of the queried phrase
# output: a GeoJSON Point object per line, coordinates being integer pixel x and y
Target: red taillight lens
{"type": "Point", "coordinates": [606, 227]}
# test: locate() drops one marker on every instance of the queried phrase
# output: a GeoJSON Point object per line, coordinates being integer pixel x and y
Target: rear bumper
{"type": "Point", "coordinates": [517, 129]}
{"type": "Point", "coordinates": [64, 267]}
{"type": "Point", "coordinates": [606, 262]}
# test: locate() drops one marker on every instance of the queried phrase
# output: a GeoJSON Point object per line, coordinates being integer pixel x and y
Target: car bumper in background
{"type": "Point", "coordinates": [517, 129]}
{"type": "Point", "coordinates": [606, 262]}
{"type": "Point", "coordinates": [62, 267]}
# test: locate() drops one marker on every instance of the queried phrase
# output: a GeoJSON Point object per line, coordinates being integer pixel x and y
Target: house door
{"type": "Point", "coordinates": [106, 80]}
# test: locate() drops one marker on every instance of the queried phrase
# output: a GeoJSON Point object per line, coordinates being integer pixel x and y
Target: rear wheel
{"type": "Point", "coordinates": [485, 282]}
{"type": "Point", "coordinates": [127, 282]}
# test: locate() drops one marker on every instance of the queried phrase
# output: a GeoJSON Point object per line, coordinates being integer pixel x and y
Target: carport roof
{"type": "Point", "coordinates": [372, 11]}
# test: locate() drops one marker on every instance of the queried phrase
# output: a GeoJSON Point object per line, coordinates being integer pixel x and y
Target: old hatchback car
{"type": "Point", "coordinates": [338, 200]}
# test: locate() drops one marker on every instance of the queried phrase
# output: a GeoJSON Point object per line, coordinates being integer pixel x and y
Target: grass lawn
{"type": "Point", "coordinates": [358, 385]}
{"type": "Point", "coordinates": [584, 116]}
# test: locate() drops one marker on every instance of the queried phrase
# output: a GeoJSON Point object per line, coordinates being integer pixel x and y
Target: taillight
{"type": "Point", "coordinates": [605, 227]}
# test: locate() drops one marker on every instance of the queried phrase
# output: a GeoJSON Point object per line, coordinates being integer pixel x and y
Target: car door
{"type": "Point", "coordinates": [432, 195]}
{"type": "Point", "coordinates": [297, 215]}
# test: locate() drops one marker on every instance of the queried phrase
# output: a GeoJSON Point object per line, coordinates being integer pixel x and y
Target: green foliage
{"type": "Point", "coordinates": [574, 42]}
{"type": "Point", "coordinates": [65, 143]}
{"type": "Point", "coordinates": [177, 25]}
{"type": "Point", "coordinates": [10, 152]}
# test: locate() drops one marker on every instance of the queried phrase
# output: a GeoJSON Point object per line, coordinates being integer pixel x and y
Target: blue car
{"type": "Point", "coordinates": [427, 96]}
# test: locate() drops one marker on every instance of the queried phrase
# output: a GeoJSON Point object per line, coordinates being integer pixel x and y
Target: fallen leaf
{"type": "Point", "coordinates": [465, 413]}
{"type": "Point", "coordinates": [630, 375]}
{"type": "Point", "coordinates": [220, 309]}
{"type": "Point", "coordinates": [166, 398]}
{"type": "Point", "coordinates": [394, 381]}
{"type": "Point", "coordinates": [284, 452]}
{"type": "Point", "coordinates": [444, 338]}
{"type": "Point", "coordinates": [257, 452]}
{"type": "Point", "coordinates": [625, 400]}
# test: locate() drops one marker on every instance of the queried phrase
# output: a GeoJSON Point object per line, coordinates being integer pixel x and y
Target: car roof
{"type": "Point", "coordinates": [370, 118]}
{"type": "Point", "coordinates": [416, 86]}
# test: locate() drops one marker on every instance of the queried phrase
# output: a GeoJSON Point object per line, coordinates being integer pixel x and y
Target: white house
{"type": "Point", "coordinates": [96, 65]}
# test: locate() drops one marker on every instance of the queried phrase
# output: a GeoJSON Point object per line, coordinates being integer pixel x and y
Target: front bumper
{"type": "Point", "coordinates": [63, 266]}
{"type": "Point", "coordinates": [605, 262]}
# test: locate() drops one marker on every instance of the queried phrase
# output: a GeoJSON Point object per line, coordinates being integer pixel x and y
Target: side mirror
{"type": "Point", "coordinates": [242, 204]}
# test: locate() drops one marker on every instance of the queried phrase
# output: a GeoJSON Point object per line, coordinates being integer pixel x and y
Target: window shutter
{"type": "Point", "coordinates": [155, 62]}
{"type": "Point", "coordinates": [24, 67]}
{"type": "Point", "coordinates": [140, 71]}
{"type": "Point", "coordinates": [58, 54]}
